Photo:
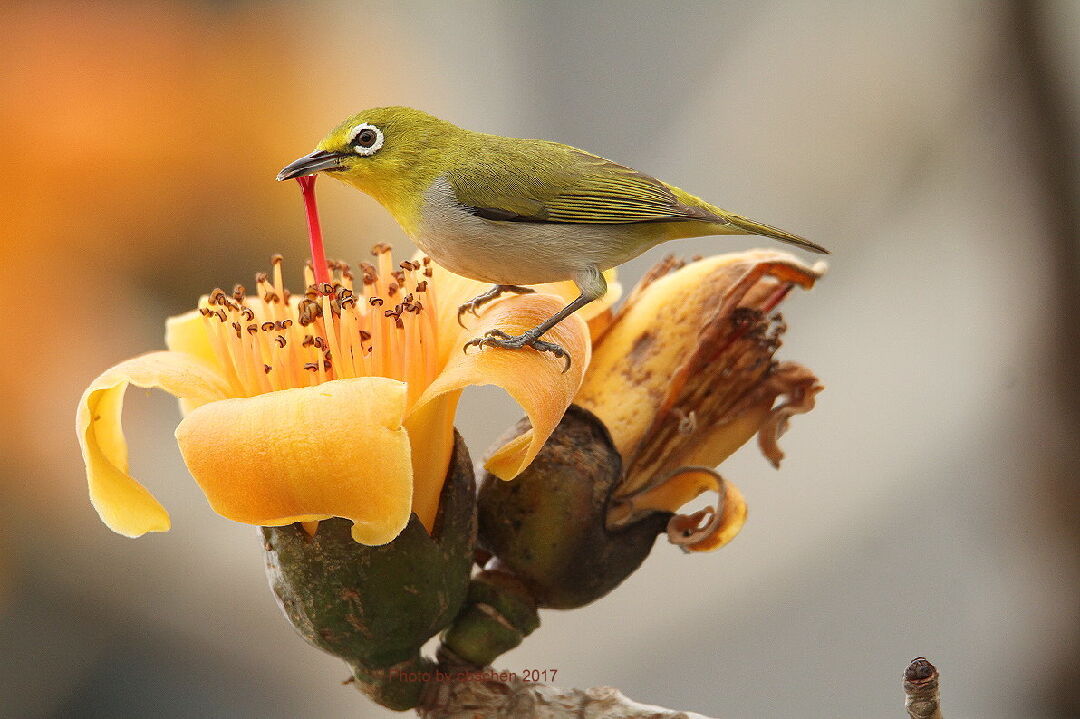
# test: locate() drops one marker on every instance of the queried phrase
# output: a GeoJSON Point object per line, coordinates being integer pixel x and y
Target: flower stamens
{"type": "Point", "coordinates": [334, 331]}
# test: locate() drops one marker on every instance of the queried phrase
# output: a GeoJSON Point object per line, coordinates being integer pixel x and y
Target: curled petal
{"type": "Point", "coordinates": [124, 505]}
{"type": "Point", "coordinates": [534, 379]}
{"type": "Point", "coordinates": [337, 449]}
{"type": "Point", "coordinates": [798, 386]}
{"type": "Point", "coordinates": [702, 531]}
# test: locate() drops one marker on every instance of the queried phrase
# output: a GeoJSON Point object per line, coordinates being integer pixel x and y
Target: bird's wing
{"type": "Point", "coordinates": [563, 185]}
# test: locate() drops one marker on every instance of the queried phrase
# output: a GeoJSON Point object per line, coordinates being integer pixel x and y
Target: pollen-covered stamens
{"type": "Point", "coordinates": [270, 340]}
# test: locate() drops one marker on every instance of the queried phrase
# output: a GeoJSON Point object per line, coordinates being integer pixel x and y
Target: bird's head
{"type": "Point", "coordinates": [390, 153]}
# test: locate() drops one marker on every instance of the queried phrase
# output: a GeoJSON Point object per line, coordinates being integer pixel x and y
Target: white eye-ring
{"type": "Point", "coordinates": [366, 139]}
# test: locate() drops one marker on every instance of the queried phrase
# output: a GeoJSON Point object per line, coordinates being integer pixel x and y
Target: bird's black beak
{"type": "Point", "coordinates": [310, 164]}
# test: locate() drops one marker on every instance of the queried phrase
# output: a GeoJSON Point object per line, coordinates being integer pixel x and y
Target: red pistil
{"type": "Point", "coordinates": [318, 254]}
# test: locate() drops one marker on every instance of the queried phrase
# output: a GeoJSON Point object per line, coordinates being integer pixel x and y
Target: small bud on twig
{"type": "Point", "coordinates": [921, 687]}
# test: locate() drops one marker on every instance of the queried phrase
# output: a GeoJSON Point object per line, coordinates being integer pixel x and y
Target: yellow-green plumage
{"type": "Point", "coordinates": [512, 211]}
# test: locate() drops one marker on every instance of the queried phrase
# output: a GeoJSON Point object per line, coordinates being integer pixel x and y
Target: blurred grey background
{"type": "Point", "coordinates": [927, 507]}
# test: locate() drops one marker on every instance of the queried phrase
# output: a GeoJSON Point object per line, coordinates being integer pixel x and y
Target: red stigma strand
{"type": "Point", "coordinates": [318, 254]}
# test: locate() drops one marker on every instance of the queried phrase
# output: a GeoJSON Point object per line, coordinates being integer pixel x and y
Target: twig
{"type": "Point", "coordinates": [921, 687]}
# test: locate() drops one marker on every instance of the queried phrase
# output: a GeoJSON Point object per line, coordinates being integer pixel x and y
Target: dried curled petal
{"type": "Point", "coordinates": [702, 531]}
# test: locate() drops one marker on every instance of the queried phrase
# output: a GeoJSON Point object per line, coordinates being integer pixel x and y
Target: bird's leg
{"type": "Point", "coordinates": [494, 293]}
{"type": "Point", "coordinates": [592, 285]}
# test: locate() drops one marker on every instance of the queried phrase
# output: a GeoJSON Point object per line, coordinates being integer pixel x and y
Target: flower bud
{"type": "Point", "coordinates": [547, 526]}
{"type": "Point", "coordinates": [375, 607]}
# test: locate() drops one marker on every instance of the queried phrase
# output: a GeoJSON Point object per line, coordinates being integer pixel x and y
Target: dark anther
{"type": "Point", "coordinates": [421, 286]}
{"type": "Point", "coordinates": [267, 326]}
{"type": "Point", "coordinates": [380, 248]}
{"type": "Point", "coordinates": [365, 335]}
{"type": "Point", "coordinates": [307, 311]}
{"type": "Point", "coordinates": [312, 366]}
{"type": "Point", "coordinates": [375, 302]}
{"type": "Point", "coordinates": [261, 277]}
{"type": "Point", "coordinates": [392, 289]}
{"type": "Point", "coordinates": [276, 259]}
{"type": "Point", "coordinates": [267, 368]}
{"type": "Point", "coordinates": [239, 293]}
{"type": "Point", "coordinates": [280, 341]}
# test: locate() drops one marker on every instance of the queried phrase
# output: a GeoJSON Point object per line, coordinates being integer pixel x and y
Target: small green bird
{"type": "Point", "coordinates": [514, 212]}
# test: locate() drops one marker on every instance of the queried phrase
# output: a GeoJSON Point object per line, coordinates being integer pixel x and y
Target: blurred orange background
{"type": "Point", "coordinates": [927, 507]}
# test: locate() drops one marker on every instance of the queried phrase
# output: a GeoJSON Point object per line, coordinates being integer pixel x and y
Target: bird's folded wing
{"type": "Point", "coordinates": [565, 185]}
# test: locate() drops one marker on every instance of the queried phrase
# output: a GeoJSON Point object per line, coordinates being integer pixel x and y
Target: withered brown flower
{"type": "Point", "coordinates": [685, 374]}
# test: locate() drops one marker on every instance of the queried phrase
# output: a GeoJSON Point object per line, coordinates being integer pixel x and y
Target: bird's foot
{"type": "Point", "coordinates": [494, 293]}
{"type": "Point", "coordinates": [498, 338]}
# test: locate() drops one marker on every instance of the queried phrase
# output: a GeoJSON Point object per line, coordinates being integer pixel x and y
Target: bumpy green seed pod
{"type": "Point", "coordinates": [547, 526]}
{"type": "Point", "coordinates": [375, 607]}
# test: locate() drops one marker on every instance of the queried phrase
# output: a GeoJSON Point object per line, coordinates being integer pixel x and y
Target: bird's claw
{"type": "Point", "coordinates": [498, 338]}
{"type": "Point", "coordinates": [494, 293]}
{"type": "Point", "coordinates": [472, 306]}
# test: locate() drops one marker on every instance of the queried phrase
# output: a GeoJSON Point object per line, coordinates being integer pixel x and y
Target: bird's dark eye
{"type": "Point", "coordinates": [366, 139]}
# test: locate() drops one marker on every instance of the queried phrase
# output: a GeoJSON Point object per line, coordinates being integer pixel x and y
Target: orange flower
{"type": "Point", "coordinates": [337, 403]}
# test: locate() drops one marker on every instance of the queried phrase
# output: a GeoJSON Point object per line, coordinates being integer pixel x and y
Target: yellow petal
{"type": "Point", "coordinates": [125, 506]}
{"type": "Point", "coordinates": [431, 432]}
{"type": "Point", "coordinates": [699, 532]}
{"type": "Point", "coordinates": [334, 450]}
{"type": "Point", "coordinates": [187, 333]}
{"type": "Point", "coordinates": [534, 379]}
